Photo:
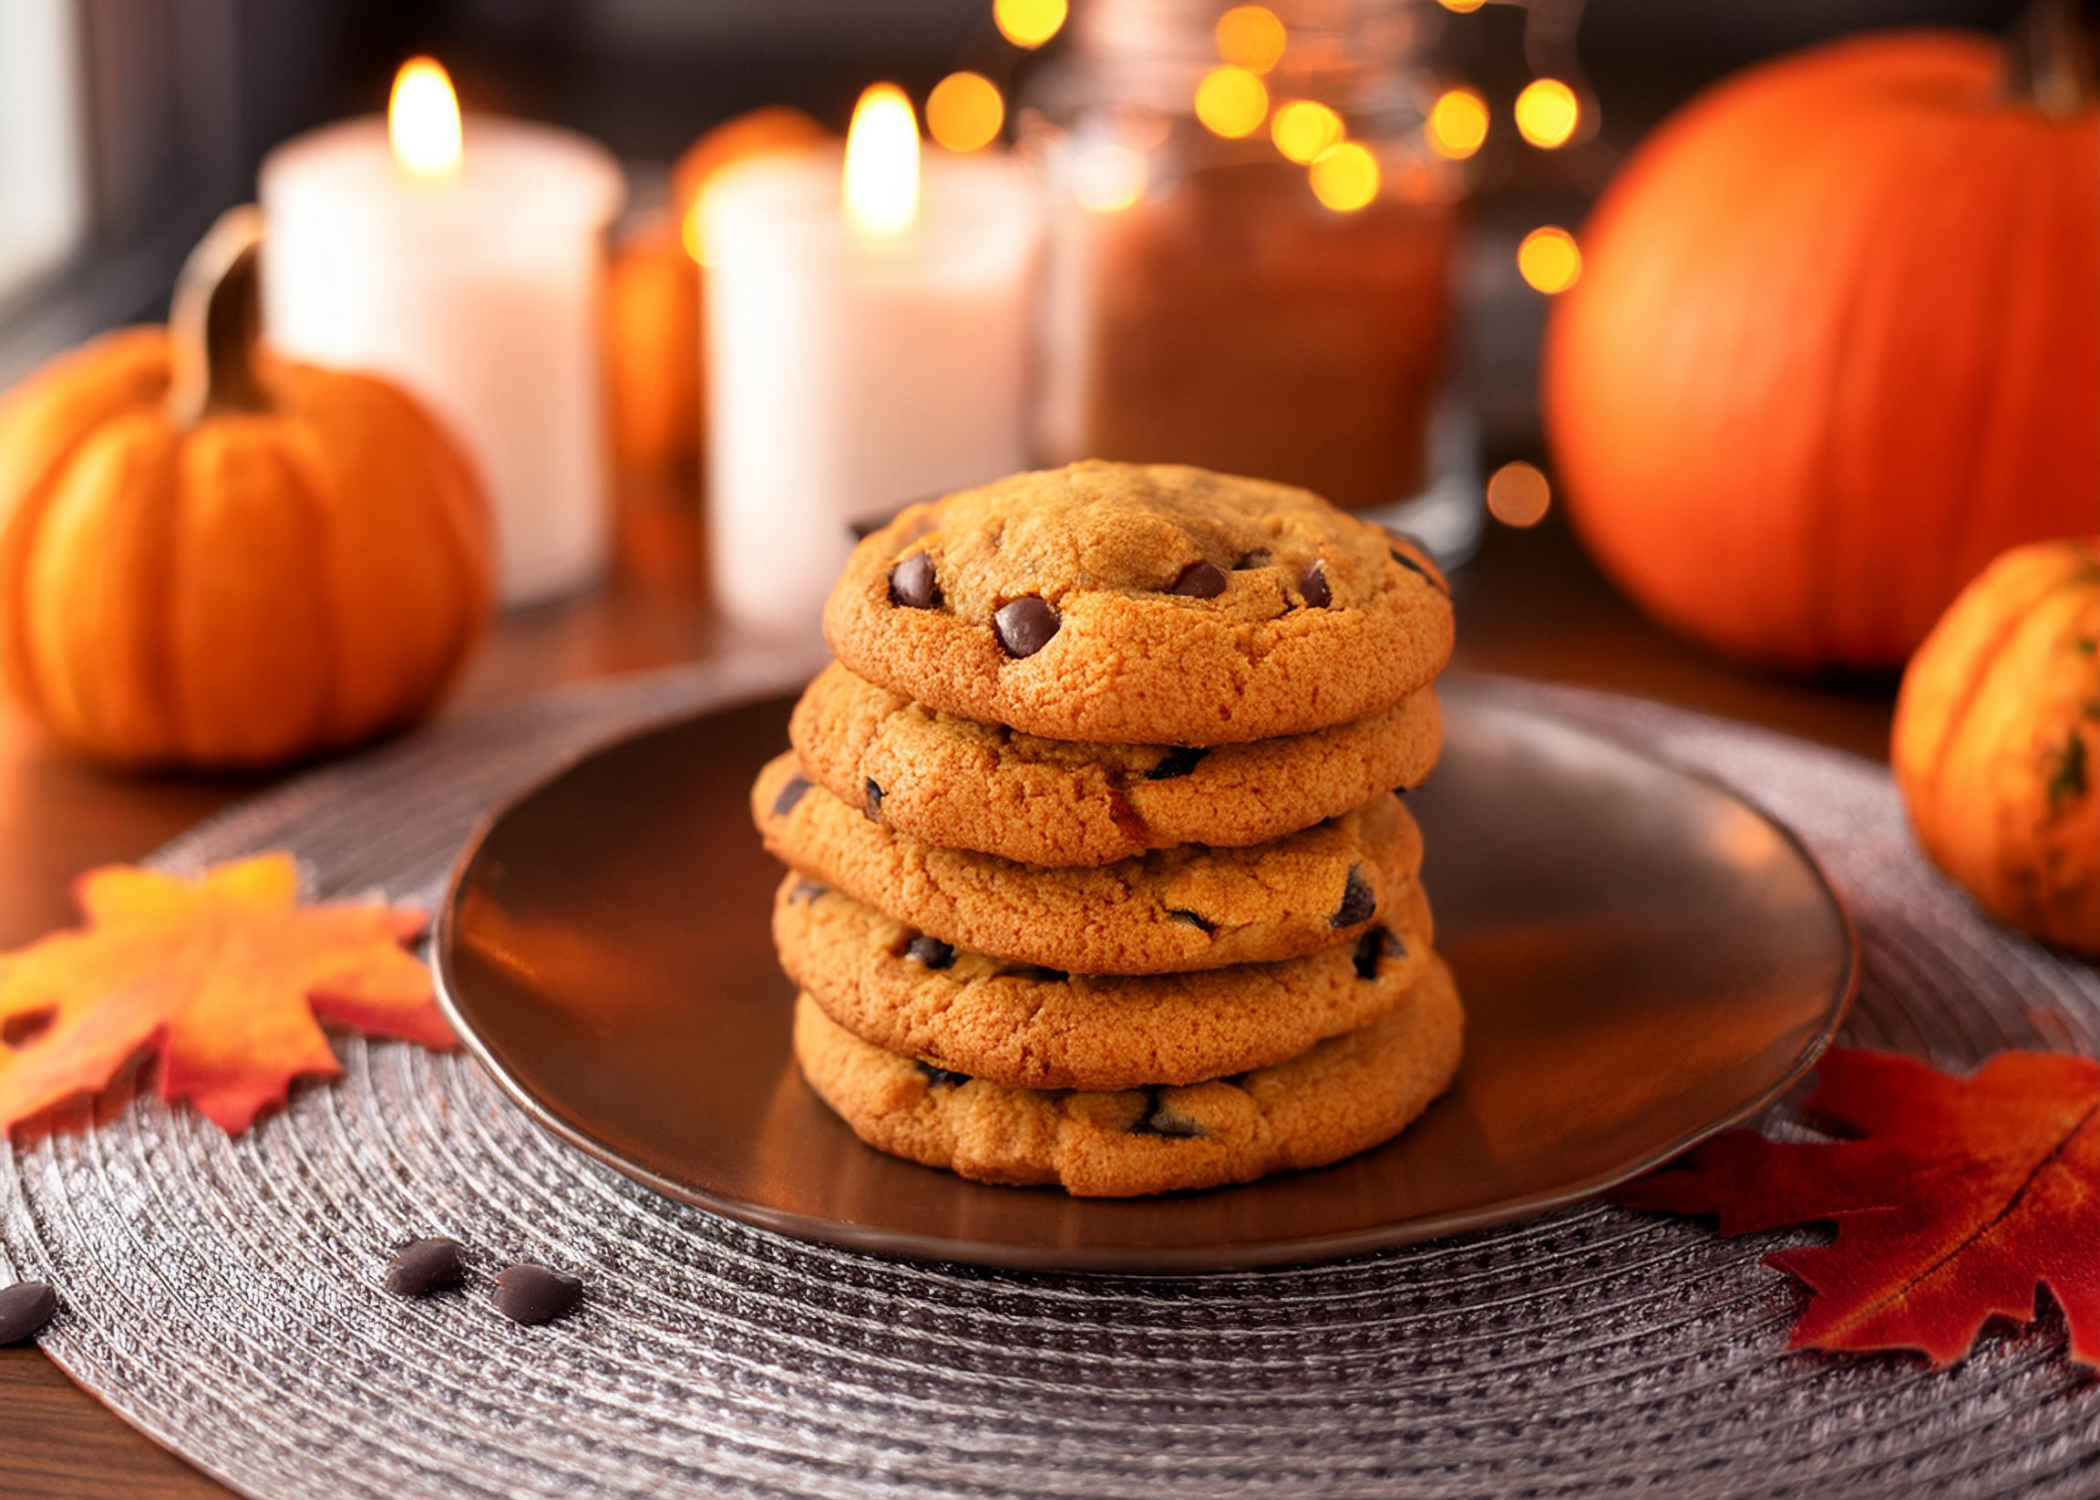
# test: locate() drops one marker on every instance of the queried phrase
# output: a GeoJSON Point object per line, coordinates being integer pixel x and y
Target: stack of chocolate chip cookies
{"type": "Point", "coordinates": [1100, 874]}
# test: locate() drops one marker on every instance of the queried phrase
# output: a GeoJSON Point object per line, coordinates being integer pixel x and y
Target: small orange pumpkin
{"type": "Point", "coordinates": [1997, 741]}
{"type": "Point", "coordinates": [215, 559]}
{"type": "Point", "coordinates": [654, 307]}
{"type": "Point", "coordinates": [1837, 343]}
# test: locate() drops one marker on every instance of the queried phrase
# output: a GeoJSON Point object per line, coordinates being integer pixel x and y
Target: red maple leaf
{"type": "Point", "coordinates": [1960, 1198]}
{"type": "Point", "coordinates": [226, 977]}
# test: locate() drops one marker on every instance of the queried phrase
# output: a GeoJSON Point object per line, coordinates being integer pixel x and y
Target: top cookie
{"type": "Point", "coordinates": [1141, 604]}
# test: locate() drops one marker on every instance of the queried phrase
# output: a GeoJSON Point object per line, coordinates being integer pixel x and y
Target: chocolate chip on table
{"type": "Point", "coordinates": [1372, 949]}
{"type": "Point", "coordinates": [432, 1264]}
{"type": "Point", "coordinates": [1258, 558]}
{"type": "Point", "coordinates": [1315, 588]}
{"type": "Point", "coordinates": [1159, 1119]}
{"type": "Point", "coordinates": [871, 801]}
{"type": "Point", "coordinates": [25, 1308]}
{"type": "Point", "coordinates": [930, 951]}
{"type": "Point", "coordinates": [913, 585]}
{"type": "Point", "coordinates": [790, 795]}
{"type": "Point", "coordinates": [1183, 914]}
{"type": "Point", "coordinates": [1176, 763]}
{"type": "Point", "coordinates": [1199, 580]}
{"type": "Point", "coordinates": [1359, 901]}
{"type": "Point", "coordinates": [806, 890]}
{"type": "Point", "coordinates": [527, 1293]}
{"type": "Point", "coordinates": [942, 1077]}
{"type": "Point", "coordinates": [1025, 625]}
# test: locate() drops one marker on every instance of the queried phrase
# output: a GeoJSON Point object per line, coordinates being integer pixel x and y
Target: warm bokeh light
{"type": "Point", "coordinates": [1304, 130]}
{"type": "Point", "coordinates": [1231, 102]}
{"type": "Point", "coordinates": [1549, 259]}
{"type": "Point", "coordinates": [1108, 178]}
{"type": "Point", "coordinates": [1029, 23]}
{"type": "Point", "coordinates": [422, 119]}
{"type": "Point", "coordinates": [1458, 123]}
{"type": "Point", "coordinates": [880, 189]}
{"type": "Point", "coordinates": [964, 112]}
{"type": "Point", "coordinates": [1547, 113]}
{"type": "Point", "coordinates": [1250, 37]}
{"type": "Point", "coordinates": [1518, 495]}
{"type": "Point", "coordinates": [1346, 178]}
{"type": "Point", "coordinates": [1462, 7]}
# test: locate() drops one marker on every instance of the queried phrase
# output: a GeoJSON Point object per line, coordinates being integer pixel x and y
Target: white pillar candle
{"type": "Point", "coordinates": [476, 283]}
{"type": "Point", "coordinates": [866, 348]}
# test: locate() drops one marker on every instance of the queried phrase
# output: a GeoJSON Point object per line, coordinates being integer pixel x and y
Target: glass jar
{"type": "Point", "coordinates": [1210, 300]}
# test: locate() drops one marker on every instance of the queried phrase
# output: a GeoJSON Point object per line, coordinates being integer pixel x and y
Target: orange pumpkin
{"type": "Point", "coordinates": [1836, 344]}
{"type": "Point", "coordinates": [215, 559]}
{"type": "Point", "coordinates": [1997, 742]}
{"type": "Point", "coordinates": [654, 307]}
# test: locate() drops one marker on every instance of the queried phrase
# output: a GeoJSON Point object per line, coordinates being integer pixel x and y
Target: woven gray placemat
{"type": "Point", "coordinates": [223, 1294]}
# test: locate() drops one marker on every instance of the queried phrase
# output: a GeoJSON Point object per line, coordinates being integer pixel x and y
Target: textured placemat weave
{"type": "Point", "coordinates": [223, 1295]}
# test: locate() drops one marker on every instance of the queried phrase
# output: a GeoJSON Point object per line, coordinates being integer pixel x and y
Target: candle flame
{"type": "Point", "coordinates": [881, 186]}
{"type": "Point", "coordinates": [422, 119]}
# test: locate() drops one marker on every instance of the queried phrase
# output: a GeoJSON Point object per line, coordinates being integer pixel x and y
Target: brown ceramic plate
{"type": "Point", "coordinates": [1644, 959]}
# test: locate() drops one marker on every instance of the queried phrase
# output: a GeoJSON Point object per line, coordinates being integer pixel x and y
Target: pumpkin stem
{"type": "Point", "coordinates": [2053, 57]}
{"type": "Point", "coordinates": [216, 320]}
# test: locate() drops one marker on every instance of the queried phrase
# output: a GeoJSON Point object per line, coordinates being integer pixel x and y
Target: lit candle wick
{"type": "Point", "coordinates": [879, 189]}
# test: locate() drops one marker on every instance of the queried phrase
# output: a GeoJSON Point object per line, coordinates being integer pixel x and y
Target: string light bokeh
{"type": "Point", "coordinates": [1549, 260]}
{"type": "Point", "coordinates": [965, 112]}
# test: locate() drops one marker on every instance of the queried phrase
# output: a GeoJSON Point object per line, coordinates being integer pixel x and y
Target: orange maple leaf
{"type": "Point", "coordinates": [226, 977]}
{"type": "Point", "coordinates": [1963, 1197]}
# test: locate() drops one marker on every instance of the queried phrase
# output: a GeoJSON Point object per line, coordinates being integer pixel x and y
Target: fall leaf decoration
{"type": "Point", "coordinates": [1961, 1196]}
{"type": "Point", "coordinates": [227, 978]}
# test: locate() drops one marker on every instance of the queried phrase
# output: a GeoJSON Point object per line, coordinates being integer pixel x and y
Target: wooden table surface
{"type": "Point", "coordinates": [1530, 605]}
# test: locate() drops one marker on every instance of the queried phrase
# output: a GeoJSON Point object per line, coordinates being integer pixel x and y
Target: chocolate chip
{"type": "Point", "coordinates": [434, 1264]}
{"type": "Point", "coordinates": [1314, 587]}
{"type": "Point", "coordinates": [1024, 625]}
{"type": "Point", "coordinates": [942, 1078]}
{"type": "Point", "coordinates": [806, 890]}
{"type": "Point", "coordinates": [871, 801]}
{"type": "Point", "coordinates": [1401, 791]}
{"type": "Point", "coordinates": [1183, 914]}
{"type": "Point", "coordinates": [1258, 558]}
{"type": "Point", "coordinates": [1039, 974]}
{"type": "Point", "coordinates": [1413, 566]}
{"type": "Point", "coordinates": [930, 951]}
{"type": "Point", "coordinates": [790, 795]}
{"type": "Point", "coordinates": [1359, 901]}
{"type": "Point", "coordinates": [1176, 763]}
{"type": "Point", "coordinates": [25, 1308]}
{"type": "Point", "coordinates": [912, 584]}
{"type": "Point", "coordinates": [1158, 1119]}
{"type": "Point", "coordinates": [527, 1293]}
{"type": "Point", "coordinates": [1371, 951]}
{"type": "Point", "coordinates": [21, 1029]}
{"type": "Point", "coordinates": [1199, 580]}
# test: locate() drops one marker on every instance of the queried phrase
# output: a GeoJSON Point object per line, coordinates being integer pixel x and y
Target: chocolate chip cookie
{"type": "Point", "coordinates": [965, 785]}
{"type": "Point", "coordinates": [1346, 1094]}
{"type": "Point", "coordinates": [1007, 1024]}
{"type": "Point", "coordinates": [1189, 907]}
{"type": "Point", "coordinates": [1141, 604]}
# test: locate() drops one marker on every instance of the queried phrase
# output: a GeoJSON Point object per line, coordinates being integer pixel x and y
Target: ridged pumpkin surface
{"type": "Point", "coordinates": [1997, 741]}
{"type": "Point", "coordinates": [1835, 346]}
{"type": "Point", "coordinates": [239, 593]}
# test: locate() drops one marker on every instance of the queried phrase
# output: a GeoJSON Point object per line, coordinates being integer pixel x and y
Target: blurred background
{"type": "Point", "coordinates": [126, 125]}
